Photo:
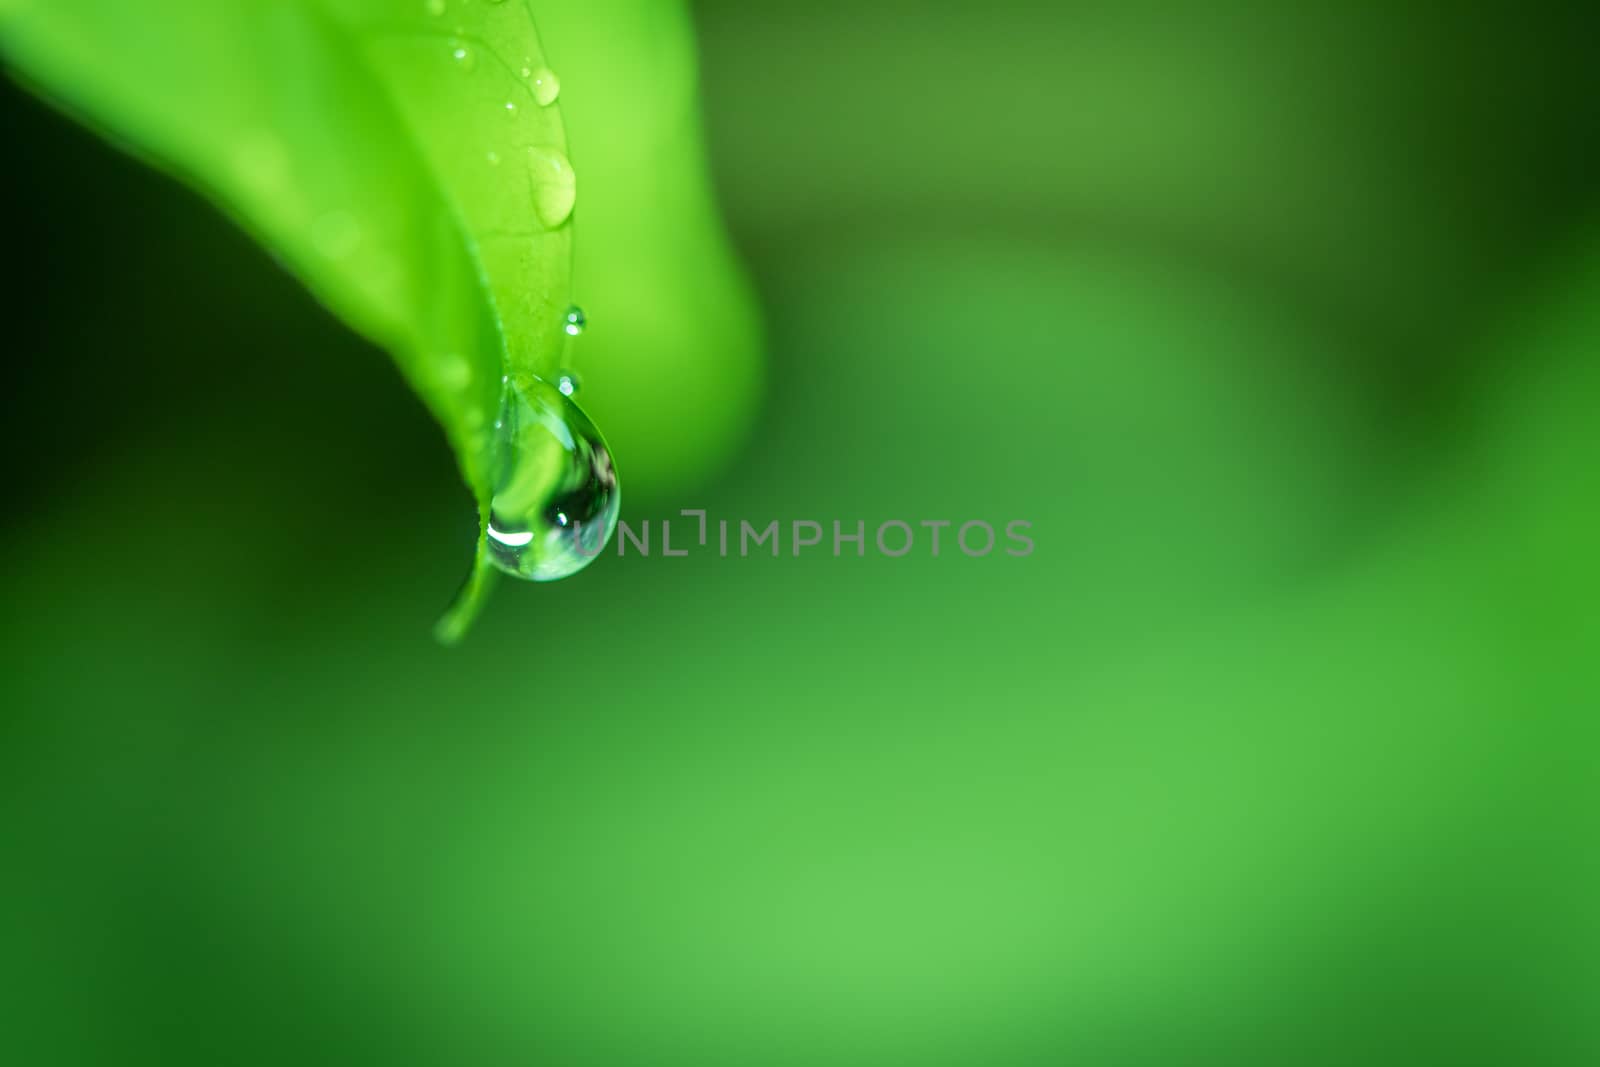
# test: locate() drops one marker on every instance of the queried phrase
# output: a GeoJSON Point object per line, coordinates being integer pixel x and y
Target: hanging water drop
{"type": "Point", "coordinates": [556, 496]}
{"type": "Point", "coordinates": [546, 85]}
{"type": "Point", "coordinates": [555, 187]}
{"type": "Point", "coordinates": [575, 321]}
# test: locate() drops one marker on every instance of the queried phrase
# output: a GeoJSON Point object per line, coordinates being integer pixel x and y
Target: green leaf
{"type": "Point", "coordinates": [400, 158]}
{"type": "Point", "coordinates": [672, 358]}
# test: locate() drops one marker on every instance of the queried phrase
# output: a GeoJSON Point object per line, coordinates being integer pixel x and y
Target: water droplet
{"type": "Point", "coordinates": [555, 187]}
{"type": "Point", "coordinates": [568, 383]}
{"type": "Point", "coordinates": [546, 85]}
{"type": "Point", "coordinates": [511, 107]}
{"type": "Point", "coordinates": [556, 494]}
{"type": "Point", "coordinates": [576, 321]}
{"type": "Point", "coordinates": [463, 56]}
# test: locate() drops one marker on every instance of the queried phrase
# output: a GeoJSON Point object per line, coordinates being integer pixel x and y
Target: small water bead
{"type": "Point", "coordinates": [575, 321]}
{"type": "Point", "coordinates": [463, 56]}
{"type": "Point", "coordinates": [546, 85]}
{"type": "Point", "coordinates": [556, 496]}
{"type": "Point", "coordinates": [555, 187]}
{"type": "Point", "coordinates": [568, 383]}
{"type": "Point", "coordinates": [511, 107]}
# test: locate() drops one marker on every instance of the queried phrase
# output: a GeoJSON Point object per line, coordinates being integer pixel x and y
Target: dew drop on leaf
{"type": "Point", "coordinates": [575, 321]}
{"type": "Point", "coordinates": [555, 187]}
{"type": "Point", "coordinates": [546, 85]}
{"type": "Point", "coordinates": [556, 494]}
{"type": "Point", "coordinates": [463, 56]}
{"type": "Point", "coordinates": [568, 383]}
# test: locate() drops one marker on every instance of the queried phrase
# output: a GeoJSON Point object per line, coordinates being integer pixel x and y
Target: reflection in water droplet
{"type": "Point", "coordinates": [555, 187]}
{"type": "Point", "coordinates": [556, 494]}
{"type": "Point", "coordinates": [546, 86]}
{"type": "Point", "coordinates": [569, 382]}
{"type": "Point", "coordinates": [576, 321]}
{"type": "Point", "coordinates": [463, 56]}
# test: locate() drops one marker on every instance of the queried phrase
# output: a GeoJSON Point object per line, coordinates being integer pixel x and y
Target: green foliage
{"type": "Point", "coordinates": [1280, 747]}
{"type": "Point", "coordinates": [409, 164]}
{"type": "Point", "coordinates": [671, 358]}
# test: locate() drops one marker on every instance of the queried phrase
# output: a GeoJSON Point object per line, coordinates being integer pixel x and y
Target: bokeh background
{"type": "Point", "coordinates": [1280, 327]}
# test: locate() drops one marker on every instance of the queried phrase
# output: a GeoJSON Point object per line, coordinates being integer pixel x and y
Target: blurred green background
{"type": "Point", "coordinates": [1281, 328]}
